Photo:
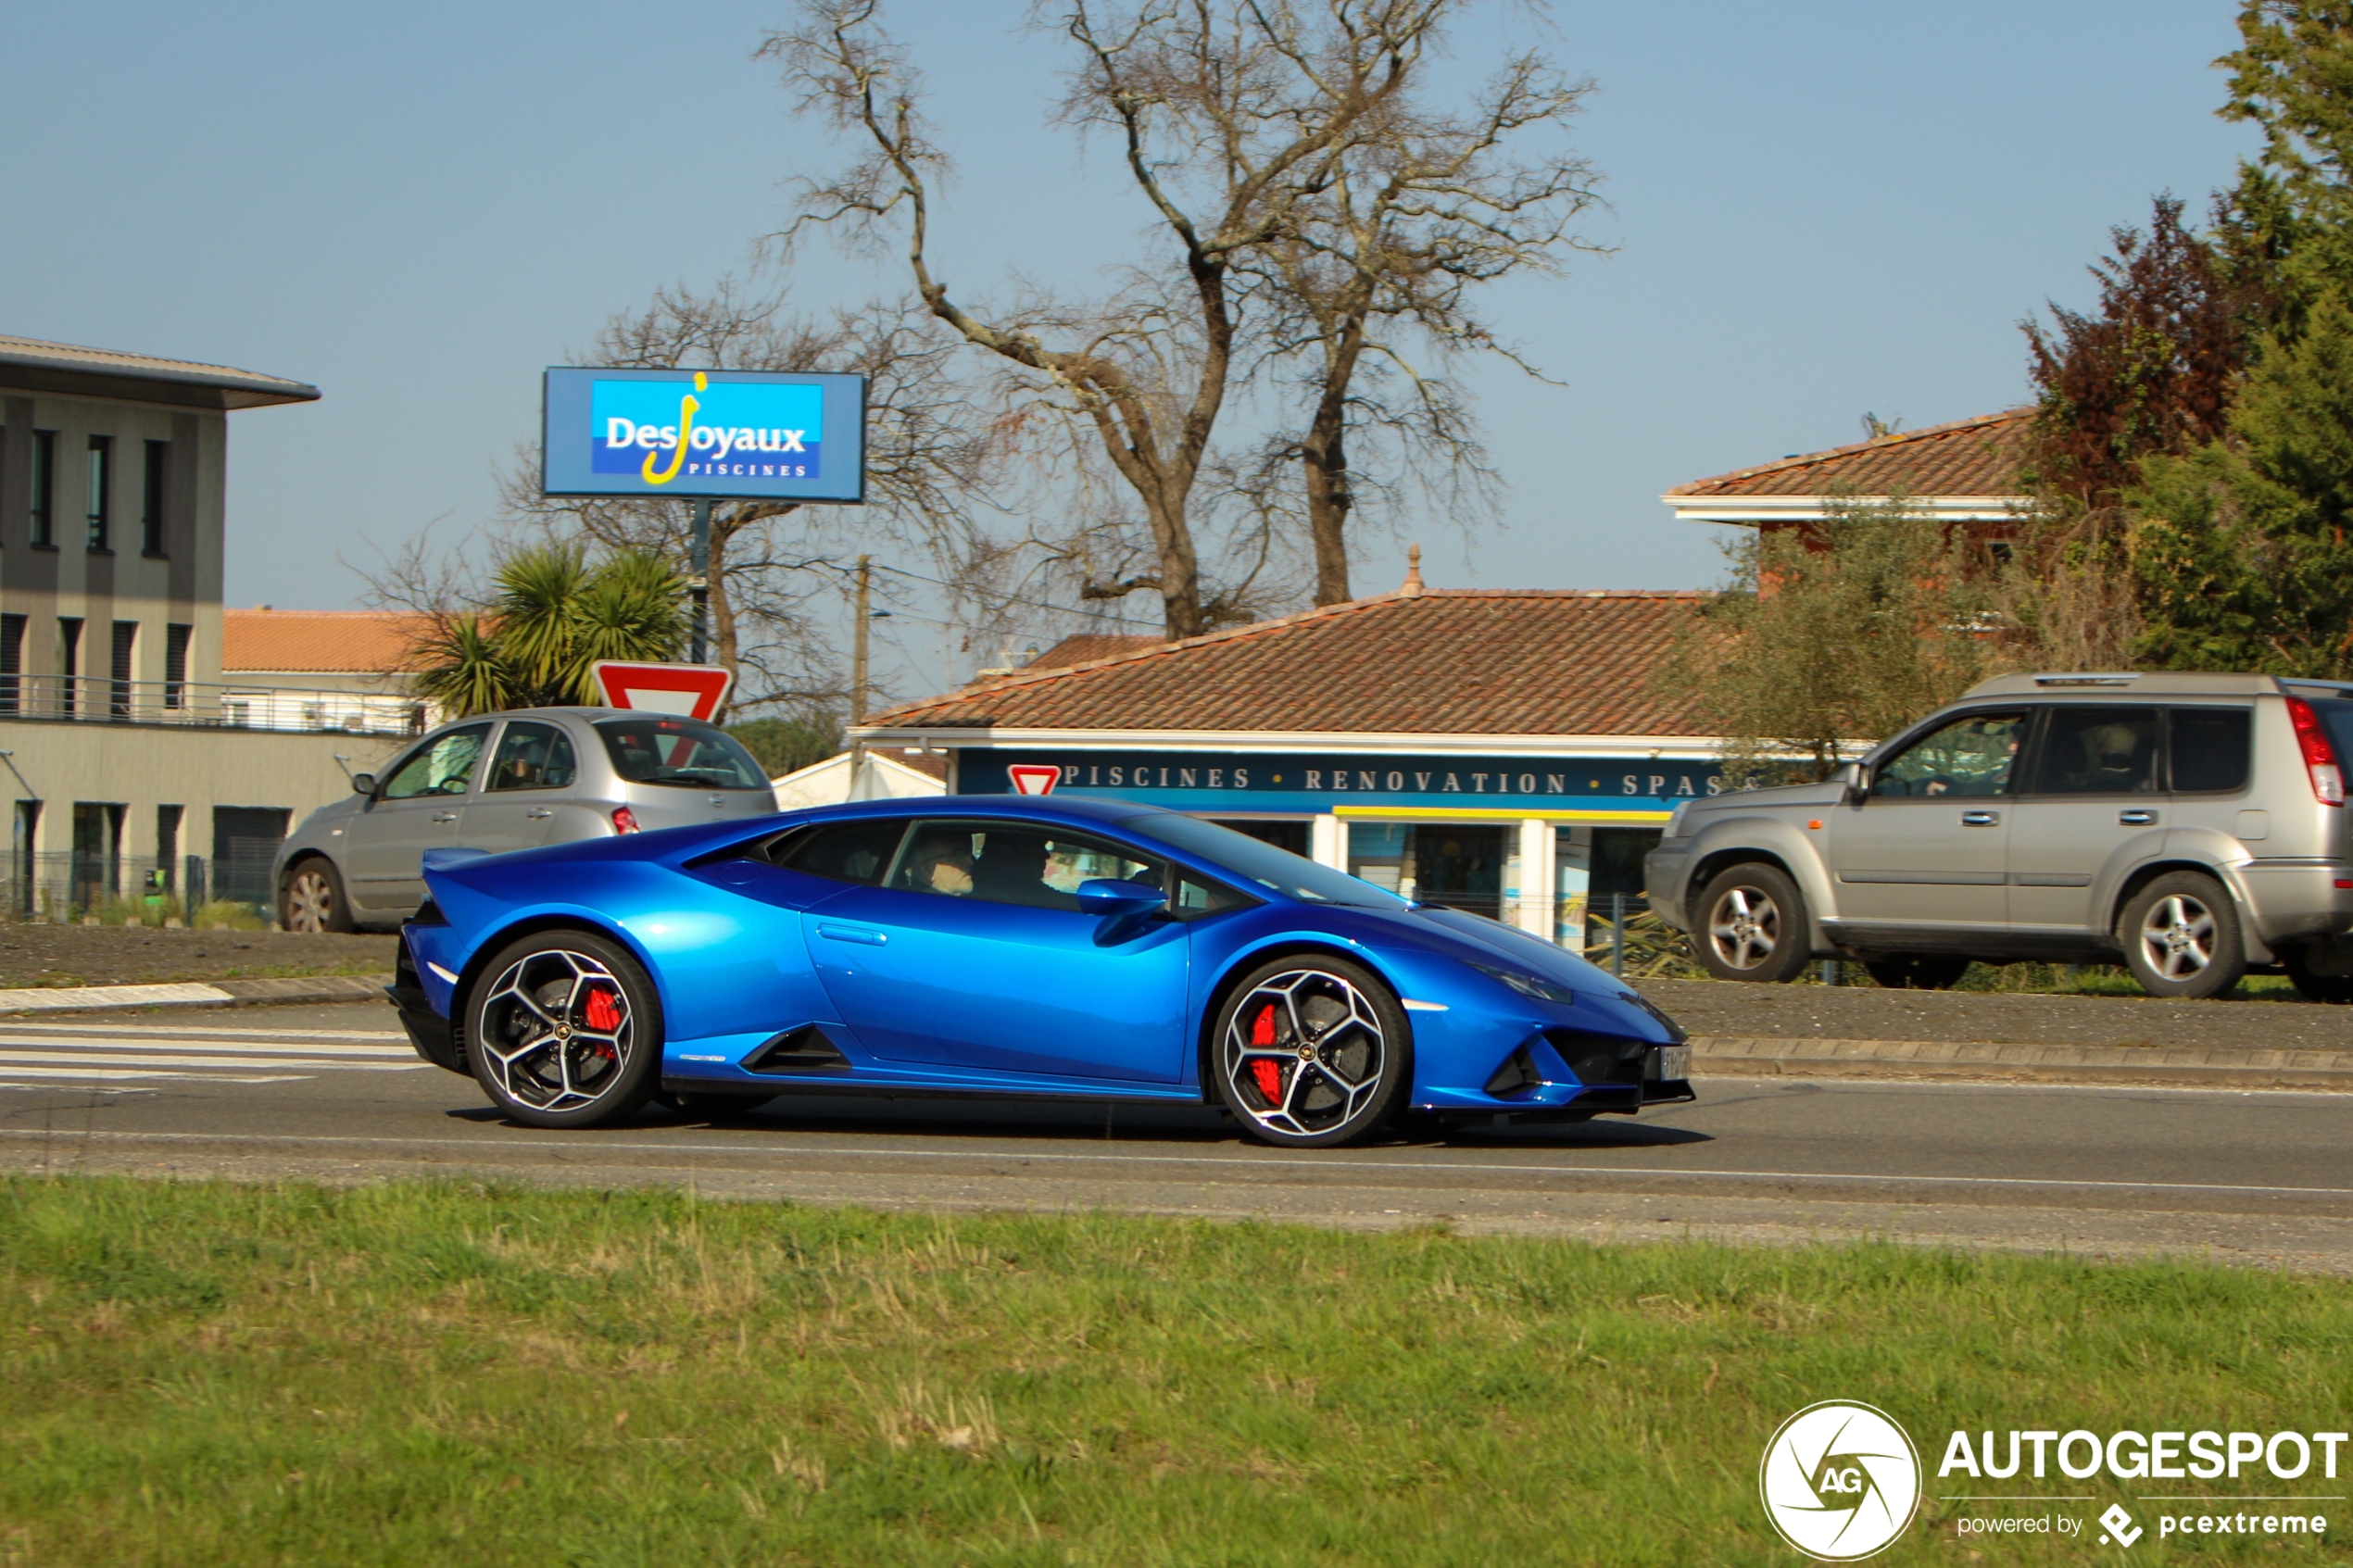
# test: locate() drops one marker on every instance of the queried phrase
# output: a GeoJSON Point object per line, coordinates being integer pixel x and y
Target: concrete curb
{"type": "Point", "coordinates": [192, 993]}
{"type": "Point", "coordinates": [1727, 1056]}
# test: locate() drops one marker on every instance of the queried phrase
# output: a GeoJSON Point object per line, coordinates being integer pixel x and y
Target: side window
{"type": "Point", "coordinates": [1969, 758]}
{"type": "Point", "coordinates": [856, 852]}
{"type": "Point", "coordinates": [1011, 863]}
{"type": "Point", "coordinates": [441, 766]}
{"type": "Point", "coordinates": [1195, 896]}
{"type": "Point", "coordinates": [532, 757]}
{"type": "Point", "coordinates": [2099, 751]}
{"type": "Point", "coordinates": [2209, 748]}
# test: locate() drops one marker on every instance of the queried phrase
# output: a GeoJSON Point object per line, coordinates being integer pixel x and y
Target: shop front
{"type": "Point", "coordinates": [1521, 800]}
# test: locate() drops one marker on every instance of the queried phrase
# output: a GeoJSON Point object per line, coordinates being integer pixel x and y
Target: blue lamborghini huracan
{"type": "Point", "coordinates": [1003, 946]}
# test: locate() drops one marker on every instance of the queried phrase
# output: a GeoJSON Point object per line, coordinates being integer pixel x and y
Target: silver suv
{"type": "Point", "coordinates": [507, 781]}
{"type": "Point", "coordinates": [2192, 826]}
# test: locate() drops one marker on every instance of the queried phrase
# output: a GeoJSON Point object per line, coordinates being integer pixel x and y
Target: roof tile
{"type": "Point", "coordinates": [1975, 457]}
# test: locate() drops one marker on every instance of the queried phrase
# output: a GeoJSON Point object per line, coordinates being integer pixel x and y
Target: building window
{"type": "Point", "coordinates": [168, 820]}
{"type": "Point", "coordinates": [11, 663]}
{"type": "Point", "coordinates": [151, 498]}
{"type": "Point", "coordinates": [95, 493]}
{"type": "Point", "coordinates": [97, 852]}
{"type": "Point", "coordinates": [27, 837]}
{"type": "Point", "coordinates": [69, 661]}
{"type": "Point", "coordinates": [44, 489]}
{"type": "Point", "coordinates": [175, 664]}
{"type": "Point", "coordinates": [126, 664]}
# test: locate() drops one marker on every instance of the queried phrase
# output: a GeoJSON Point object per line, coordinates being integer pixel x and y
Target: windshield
{"type": "Point", "coordinates": [1260, 863]}
{"type": "Point", "coordinates": [657, 748]}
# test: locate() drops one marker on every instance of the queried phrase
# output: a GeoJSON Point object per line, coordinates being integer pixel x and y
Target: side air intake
{"type": "Point", "coordinates": [805, 1049]}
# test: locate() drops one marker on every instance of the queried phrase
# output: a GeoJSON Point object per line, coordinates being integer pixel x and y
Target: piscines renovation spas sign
{"type": "Point", "coordinates": [1616, 788]}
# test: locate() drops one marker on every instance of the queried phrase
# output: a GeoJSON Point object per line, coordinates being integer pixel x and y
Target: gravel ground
{"type": "Point", "coordinates": [1851, 1013]}
{"type": "Point", "coordinates": [129, 955]}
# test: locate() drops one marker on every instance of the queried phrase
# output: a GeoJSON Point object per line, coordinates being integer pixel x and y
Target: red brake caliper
{"type": "Point", "coordinates": [1267, 1072]}
{"type": "Point", "coordinates": [603, 1014]}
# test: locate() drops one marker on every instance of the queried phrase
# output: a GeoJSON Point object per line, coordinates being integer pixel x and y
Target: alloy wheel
{"type": "Point", "coordinates": [1304, 1053]}
{"type": "Point", "coordinates": [311, 902]}
{"type": "Point", "coordinates": [1744, 927]}
{"type": "Point", "coordinates": [2177, 936]}
{"type": "Point", "coordinates": [557, 1030]}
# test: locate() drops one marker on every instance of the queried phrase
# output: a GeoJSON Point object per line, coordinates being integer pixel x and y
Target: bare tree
{"type": "Point", "coordinates": [1146, 372]}
{"type": "Point", "coordinates": [774, 563]}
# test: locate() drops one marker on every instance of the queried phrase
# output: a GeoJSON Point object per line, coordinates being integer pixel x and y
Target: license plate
{"type": "Point", "coordinates": [1669, 1061]}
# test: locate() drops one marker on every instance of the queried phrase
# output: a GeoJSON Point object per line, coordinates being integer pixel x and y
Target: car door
{"type": "Point", "coordinates": [419, 806]}
{"type": "Point", "coordinates": [534, 770]}
{"type": "Point", "coordinates": [973, 955]}
{"type": "Point", "coordinates": [2092, 796]}
{"type": "Point", "coordinates": [1924, 851]}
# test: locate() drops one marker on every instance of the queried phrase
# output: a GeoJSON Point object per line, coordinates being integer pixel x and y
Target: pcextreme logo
{"type": "Point", "coordinates": [658, 430]}
{"type": "Point", "coordinates": [1841, 1481]}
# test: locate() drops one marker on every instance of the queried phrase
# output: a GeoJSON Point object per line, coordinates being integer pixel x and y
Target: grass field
{"type": "Point", "coordinates": [446, 1375]}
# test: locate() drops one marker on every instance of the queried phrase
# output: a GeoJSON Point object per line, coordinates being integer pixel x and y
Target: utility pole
{"type": "Point", "coordinates": [858, 644]}
{"type": "Point", "coordinates": [699, 581]}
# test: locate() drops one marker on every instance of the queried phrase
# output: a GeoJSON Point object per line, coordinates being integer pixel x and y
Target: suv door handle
{"type": "Point", "coordinates": [1980, 819]}
{"type": "Point", "coordinates": [538, 811]}
{"type": "Point", "coordinates": [445, 816]}
{"type": "Point", "coordinates": [2138, 818]}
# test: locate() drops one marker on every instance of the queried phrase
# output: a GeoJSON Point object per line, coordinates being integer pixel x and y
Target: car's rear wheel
{"type": "Point", "coordinates": [312, 899]}
{"type": "Point", "coordinates": [564, 1030]}
{"type": "Point", "coordinates": [2180, 937]}
{"type": "Point", "coordinates": [1751, 925]}
{"type": "Point", "coordinates": [1312, 1051]}
{"type": "Point", "coordinates": [1918, 971]}
{"type": "Point", "coordinates": [2335, 989]}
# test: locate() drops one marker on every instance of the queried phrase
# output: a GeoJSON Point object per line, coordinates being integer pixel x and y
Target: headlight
{"type": "Point", "coordinates": [1528, 984]}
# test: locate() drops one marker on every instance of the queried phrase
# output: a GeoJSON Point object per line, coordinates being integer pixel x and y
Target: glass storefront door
{"type": "Point", "coordinates": [1457, 865]}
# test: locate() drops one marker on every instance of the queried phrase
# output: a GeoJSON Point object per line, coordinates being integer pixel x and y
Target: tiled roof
{"type": "Point", "coordinates": [1085, 647]}
{"type": "Point", "coordinates": [1976, 457]}
{"type": "Point", "coordinates": [66, 367]}
{"type": "Point", "coordinates": [321, 642]}
{"type": "Point", "coordinates": [1443, 661]}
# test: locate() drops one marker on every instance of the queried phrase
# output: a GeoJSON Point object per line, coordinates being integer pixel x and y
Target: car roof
{"type": "Point", "coordinates": [2153, 682]}
{"type": "Point", "coordinates": [1072, 809]}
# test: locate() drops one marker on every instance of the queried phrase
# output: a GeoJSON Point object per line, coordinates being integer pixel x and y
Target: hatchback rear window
{"type": "Point", "coordinates": [2338, 717]}
{"type": "Point", "coordinates": [2210, 747]}
{"type": "Point", "coordinates": [660, 749]}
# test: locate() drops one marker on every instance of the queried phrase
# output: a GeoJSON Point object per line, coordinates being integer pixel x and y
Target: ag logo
{"type": "Point", "coordinates": [1841, 1481]}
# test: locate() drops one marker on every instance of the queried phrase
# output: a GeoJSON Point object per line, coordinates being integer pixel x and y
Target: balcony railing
{"type": "Point", "coordinates": [99, 700]}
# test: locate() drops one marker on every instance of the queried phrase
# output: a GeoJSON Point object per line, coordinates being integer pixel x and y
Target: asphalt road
{"type": "Point", "coordinates": [333, 1093]}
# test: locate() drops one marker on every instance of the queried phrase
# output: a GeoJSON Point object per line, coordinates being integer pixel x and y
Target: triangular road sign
{"type": "Point", "coordinates": [691, 691]}
{"type": "Point", "coordinates": [1031, 778]}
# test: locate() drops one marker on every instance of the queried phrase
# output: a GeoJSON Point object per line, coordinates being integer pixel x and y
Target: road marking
{"type": "Point", "coordinates": [281, 1048]}
{"type": "Point", "coordinates": [114, 1059]}
{"type": "Point", "coordinates": [107, 1073]}
{"type": "Point", "coordinates": [1294, 1165]}
{"type": "Point", "coordinates": [195, 1031]}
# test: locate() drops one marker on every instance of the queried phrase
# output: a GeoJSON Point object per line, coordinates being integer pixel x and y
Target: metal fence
{"type": "Point", "coordinates": [70, 887]}
{"type": "Point", "coordinates": [99, 700]}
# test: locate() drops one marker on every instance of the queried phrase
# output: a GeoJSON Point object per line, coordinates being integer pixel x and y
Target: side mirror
{"type": "Point", "coordinates": [1850, 777]}
{"type": "Point", "coordinates": [365, 783]}
{"type": "Point", "coordinates": [1108, 896]}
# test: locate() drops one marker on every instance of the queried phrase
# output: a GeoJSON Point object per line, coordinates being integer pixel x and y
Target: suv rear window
{"type": "Point", "coordinates": [660, 749]}
{"type": "Point", "coordinates": [2210, 748]}
{"type": "Point", "coordinates": [2338, 717]}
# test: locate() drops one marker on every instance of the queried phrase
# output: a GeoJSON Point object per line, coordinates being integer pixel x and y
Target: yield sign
{"type": "Point", "coordinates": [1031, 777]}
{"type": "Point", "coordinates": [692, 691]}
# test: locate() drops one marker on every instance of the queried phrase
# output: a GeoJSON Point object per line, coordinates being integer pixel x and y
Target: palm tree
{"type": "Point", "coordinates": [551, 616]}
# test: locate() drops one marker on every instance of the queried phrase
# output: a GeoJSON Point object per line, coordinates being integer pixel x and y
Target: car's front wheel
{"type": "Point", "coordinates": [1751, 925]}
{"type": "Point", "coordinates": [1312, 1051]}
{"type": "Point", "coordinates": [312, 899]}
{"type": "Point", "coordinates": [2180, 937]}
{"type": "Point", "coordinates": [564, 1030]}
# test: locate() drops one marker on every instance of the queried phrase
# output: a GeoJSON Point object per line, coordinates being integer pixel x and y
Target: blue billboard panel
{"type": "Point", "coordinates": [720, 433]}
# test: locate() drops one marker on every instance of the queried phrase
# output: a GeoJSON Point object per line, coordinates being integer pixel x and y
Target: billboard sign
{"type": "Point", "coordinates": [736, 434]}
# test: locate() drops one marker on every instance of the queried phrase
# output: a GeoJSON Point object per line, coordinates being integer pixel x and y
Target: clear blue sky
{"type": "Point", "coordinates": [1820, 208]}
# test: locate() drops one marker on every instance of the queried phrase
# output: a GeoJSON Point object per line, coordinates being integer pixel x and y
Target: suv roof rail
{"type": "Point", "coordinates": [2136, 682]}
{"type": "Point", "coordinates": [2119, 678]}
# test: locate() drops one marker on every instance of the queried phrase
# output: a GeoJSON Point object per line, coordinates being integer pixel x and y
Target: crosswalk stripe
{"type": "Point", "coordinates": [125, 1059]}
{"type": "Point", "coordinates": [283, 1048]}
{"type": "Point", "coordinates": [199, 1031]}
{"type": "Point", "coordinates": [109, 1073]}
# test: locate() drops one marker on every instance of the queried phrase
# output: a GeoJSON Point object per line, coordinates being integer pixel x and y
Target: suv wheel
{"type": "Point", "coordinates": [2180, 937]}
{"type": "Point", "coordinates": [1751, 925]}
{"type": "Point", "coordinates": [1925, 971]}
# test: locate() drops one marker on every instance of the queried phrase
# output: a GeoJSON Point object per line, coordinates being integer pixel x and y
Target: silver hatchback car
{"type": "Point", "coordinates": [507, 781]}
{"type": "Point", "coordinates": [2192, 826]}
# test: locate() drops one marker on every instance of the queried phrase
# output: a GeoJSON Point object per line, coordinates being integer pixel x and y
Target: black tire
{"type": "Point", "coordinates": [311, 899]}
{"type": "Point", "coordinates": [2336, 990]}
{"type": "Point", "coordinates": [1751, 925]}
{"type": "Point", "coordinates": [1920, 972]}
{"type": "Point", "coordinates": [1312, 1051]}
{"type": "Point", "coordinates": [2180, 937]}
{"type": "Point", "coordinates": [544, 1046]}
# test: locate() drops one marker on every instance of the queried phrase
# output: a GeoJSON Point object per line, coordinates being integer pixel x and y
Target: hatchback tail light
{"type": "Point", "coordinates": [623, 820]}
{"type": "Point", "coordinates": [2320, 757]}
